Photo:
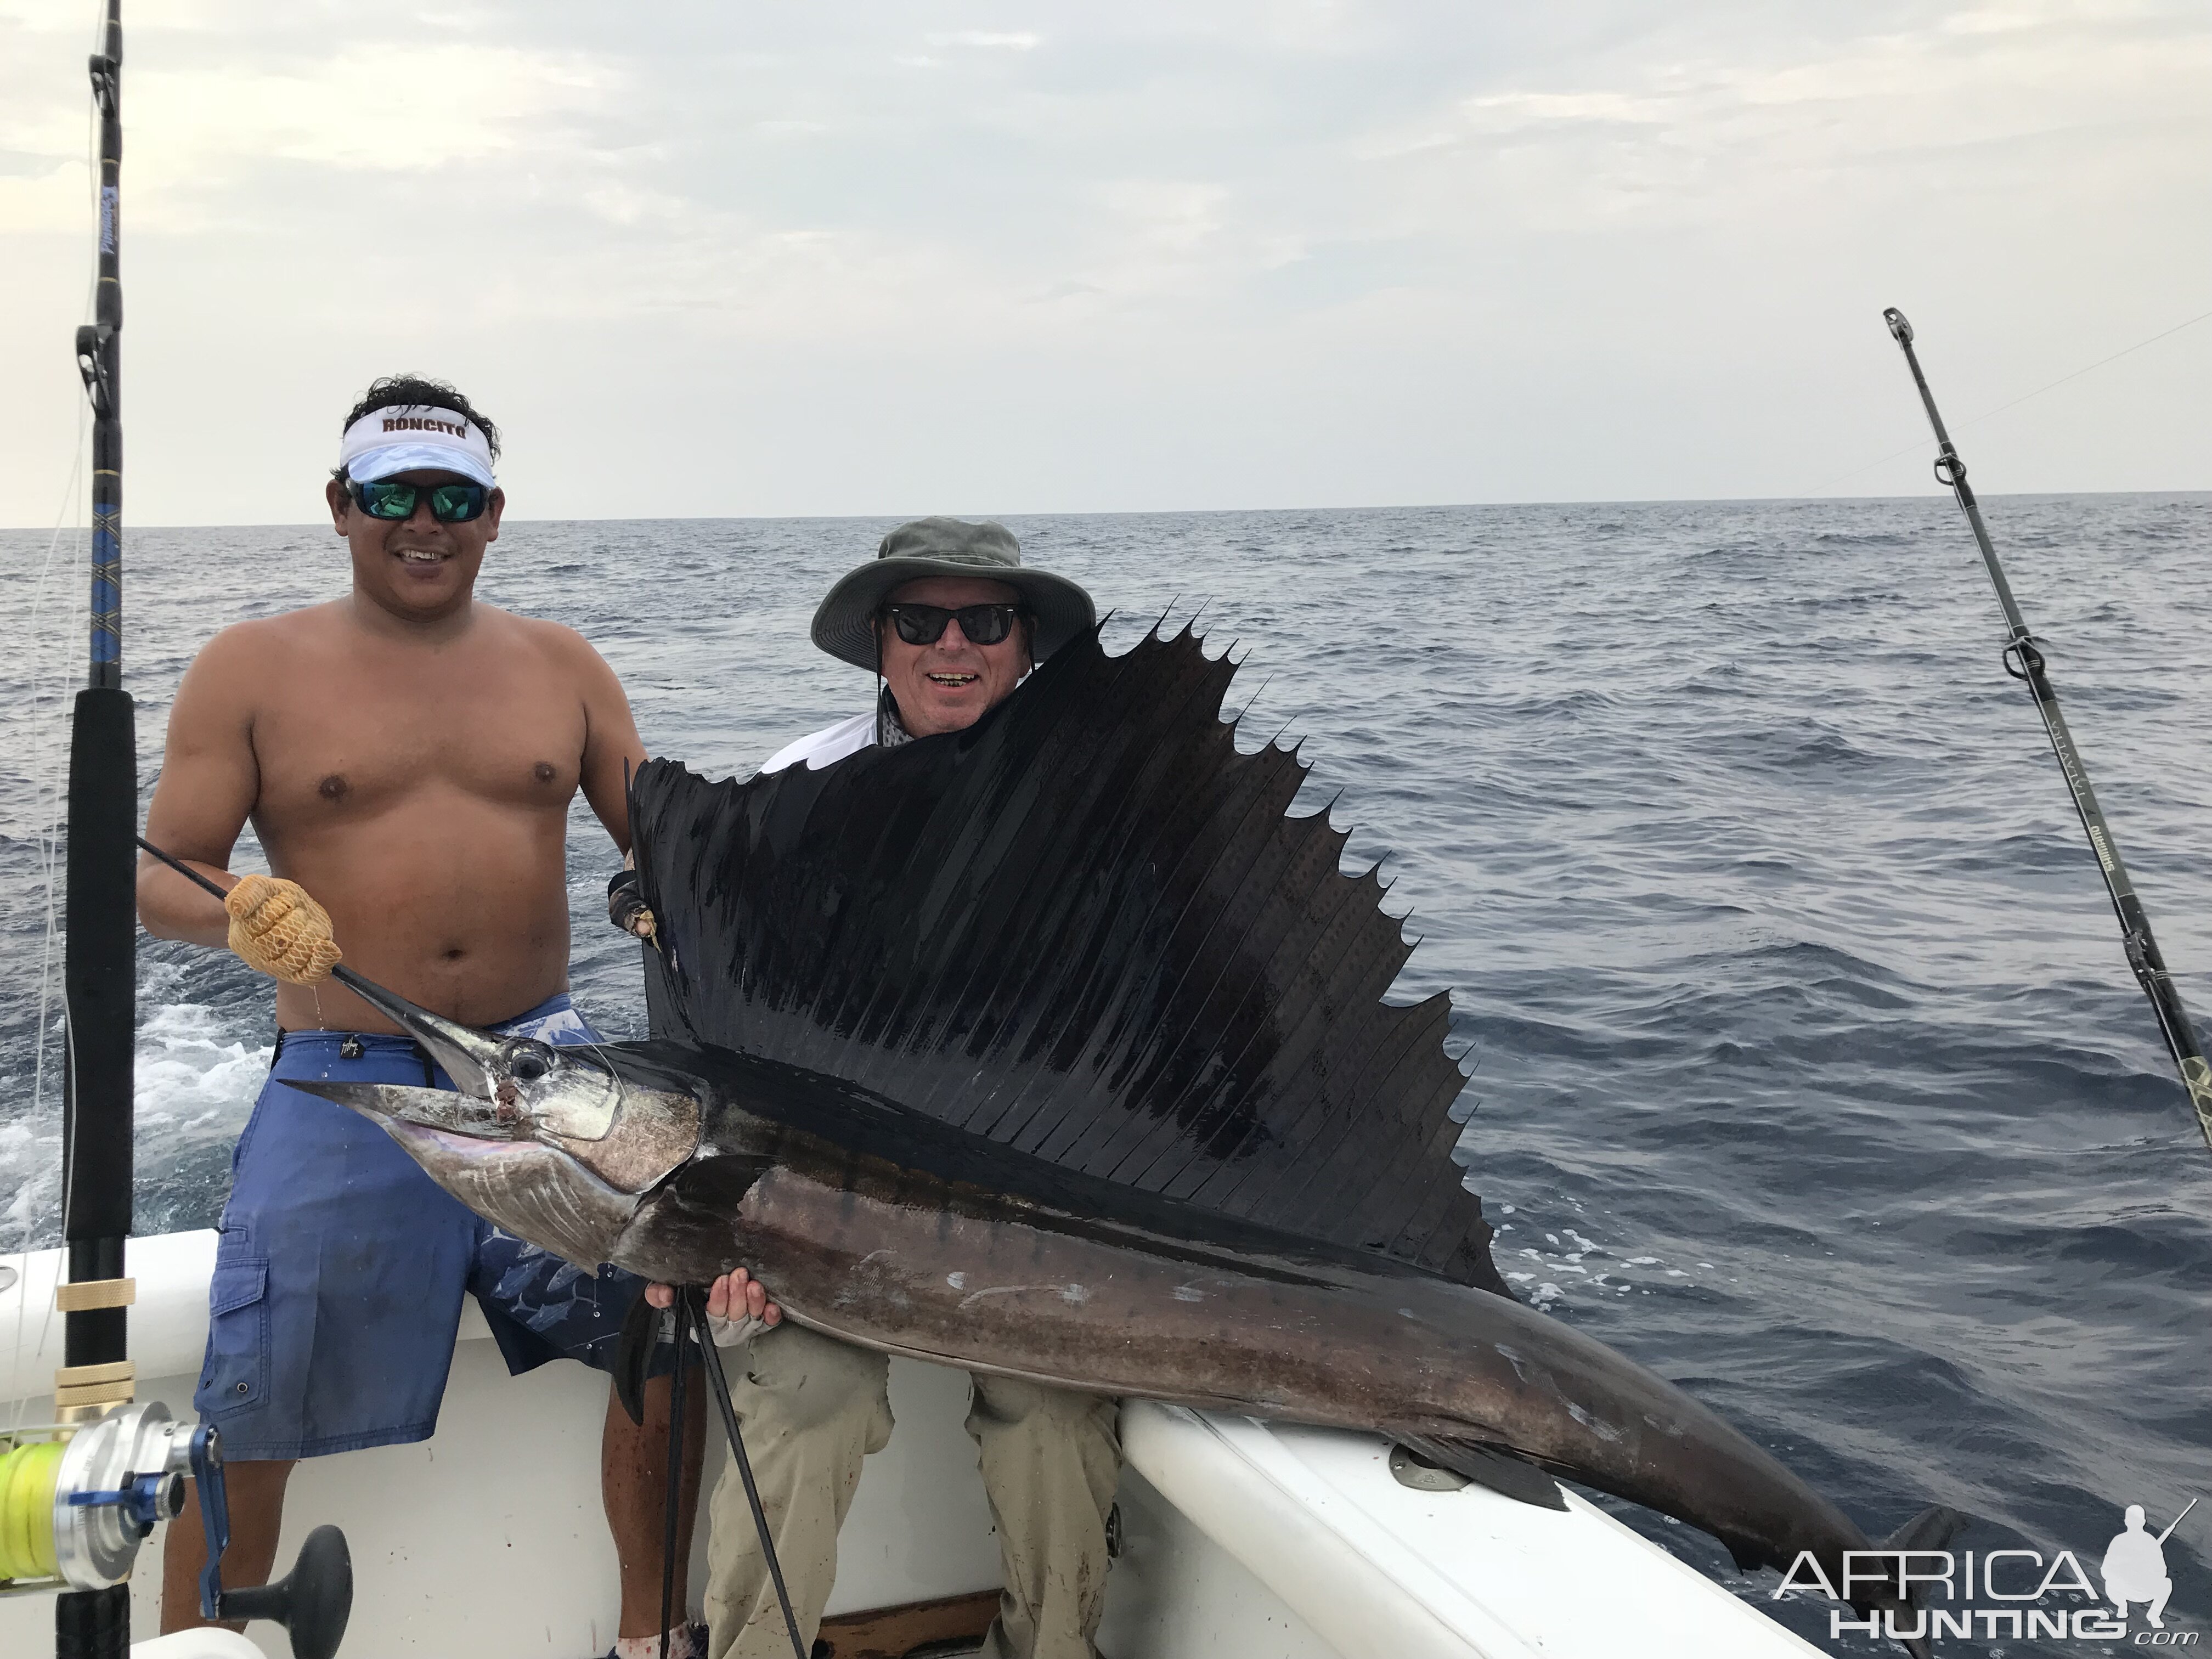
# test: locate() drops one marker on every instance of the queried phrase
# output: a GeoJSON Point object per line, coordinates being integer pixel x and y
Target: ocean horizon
{"type": "Point", "coordinates": [890, 520]}
{"type": "Point", "coordinates": [1807, 1069]}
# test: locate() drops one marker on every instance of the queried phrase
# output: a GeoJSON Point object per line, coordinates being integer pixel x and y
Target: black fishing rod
{"type": "Point", "coordinates": [720, 1385]}
{"type": "Point", "coordinates": [2024, 662]}
{"type": "Point", "coordinates": [100, 963]}
{"type": "Point", "coordinates": [672, 1509]}
{"type": "Point", "coordinates": [125, 1463]}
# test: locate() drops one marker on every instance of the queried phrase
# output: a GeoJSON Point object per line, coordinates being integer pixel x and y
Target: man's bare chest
{"type": "Point", "coordinates": [365, 742]}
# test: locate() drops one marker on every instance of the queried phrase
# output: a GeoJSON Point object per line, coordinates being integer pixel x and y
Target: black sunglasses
{"type": "Point", "coordinates": [450, 503]}
{"type": "Point", "coordinates": [979, 624]}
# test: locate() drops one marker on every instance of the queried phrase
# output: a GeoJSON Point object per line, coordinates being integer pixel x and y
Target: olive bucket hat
{"type": "Point", "coordinates": [844, 622]}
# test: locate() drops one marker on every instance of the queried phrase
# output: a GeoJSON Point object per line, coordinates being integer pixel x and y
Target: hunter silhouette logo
{"type": "Point", "coordinates": [2134, 1565]}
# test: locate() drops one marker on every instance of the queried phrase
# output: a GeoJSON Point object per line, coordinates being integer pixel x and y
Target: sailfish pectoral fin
{"type": "Point", "coordinates": [1489, 1466]}
{"type": "Point", "coordinates": [397, 1102]}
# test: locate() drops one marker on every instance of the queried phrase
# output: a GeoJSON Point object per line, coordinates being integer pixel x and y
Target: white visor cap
{"type": "Point", "coordinates": [410, 438]}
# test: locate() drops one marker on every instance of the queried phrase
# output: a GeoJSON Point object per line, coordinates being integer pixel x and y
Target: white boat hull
{"type": "Point", "coordinates": [1241, 1541]}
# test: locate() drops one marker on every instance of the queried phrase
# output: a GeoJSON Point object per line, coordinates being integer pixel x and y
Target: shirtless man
{"type": "Point", "coordinates": [407, 757]}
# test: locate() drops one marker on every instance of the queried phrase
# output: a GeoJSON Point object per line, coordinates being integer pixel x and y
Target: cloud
{"type": "Point", "coordinates": [385, 107]}
{"type": "Point", "coordinates": [987, 41]}
{"type": "Point", "coordinates": [1403, 237]}
{"type": "Point", "coordinates": [1763, 126]}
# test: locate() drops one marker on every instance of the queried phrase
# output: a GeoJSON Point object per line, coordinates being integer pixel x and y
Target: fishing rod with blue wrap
{"type": "Point", "coordinates": [2024, 663]}
{"type": "Point", "coordinates": [100, 961]}
{"type": "Point", "coordinates": [79, 1495]}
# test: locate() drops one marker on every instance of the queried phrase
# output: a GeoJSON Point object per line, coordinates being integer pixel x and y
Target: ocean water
{"type": "Point", "coordinates": [1808, 1068]}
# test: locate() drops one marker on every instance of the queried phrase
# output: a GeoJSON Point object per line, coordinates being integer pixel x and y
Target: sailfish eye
{"type": "Point", "coordinates": [528, 1061]}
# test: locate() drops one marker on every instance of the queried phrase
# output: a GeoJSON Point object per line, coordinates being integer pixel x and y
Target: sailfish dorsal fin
{"type": "Point", "coordinates": [1084, 927]}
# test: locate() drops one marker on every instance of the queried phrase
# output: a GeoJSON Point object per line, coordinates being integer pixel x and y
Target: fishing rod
{"type": "Point", "coordinates": [79, 1496]}
{"type": "Point", "coordinates": [2024, 663]}
{"type": "Point", "coordinates": [672, 1509]}
{"type": "Point", "coordinates": [99, 959]}
{"type": "Point", "coordinates": [690, 1311]}
{"type": "Point", "coordinates": [720, 1386]}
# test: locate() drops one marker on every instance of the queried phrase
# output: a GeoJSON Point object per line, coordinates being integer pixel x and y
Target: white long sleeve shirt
{"type": "Point", "coordinates": [826, 747]}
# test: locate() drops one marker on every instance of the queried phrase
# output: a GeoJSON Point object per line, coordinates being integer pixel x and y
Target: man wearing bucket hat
{"type": "Point", "coordinates": [950, 620]}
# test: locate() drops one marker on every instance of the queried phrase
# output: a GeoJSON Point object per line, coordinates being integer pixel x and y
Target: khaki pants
{"type": "Point", "coordinates": [813, 1408]}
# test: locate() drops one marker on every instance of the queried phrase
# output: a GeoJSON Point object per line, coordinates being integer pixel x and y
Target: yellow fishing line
{"type": "Point", "coordinates": [26, 1511]}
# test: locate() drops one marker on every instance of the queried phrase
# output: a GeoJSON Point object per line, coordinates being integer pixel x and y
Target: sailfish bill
{"type": "Point", "coordinates": [1054, 1048]}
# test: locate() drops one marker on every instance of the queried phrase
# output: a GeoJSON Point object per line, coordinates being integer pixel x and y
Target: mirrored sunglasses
{"type": "Point", "coordinates": [450, 503]}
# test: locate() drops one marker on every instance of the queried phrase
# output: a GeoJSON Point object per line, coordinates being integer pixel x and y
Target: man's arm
{"type": "Point", "coordinates": [208, 784]}
{"type": "Point", "coordinates": [611, 753]}
{"type": "Point", "coordinates": [611, 748]}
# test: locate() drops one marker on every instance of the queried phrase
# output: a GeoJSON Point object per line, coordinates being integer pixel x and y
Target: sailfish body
{"type": "Point", "coordinates": [1054, 1048]}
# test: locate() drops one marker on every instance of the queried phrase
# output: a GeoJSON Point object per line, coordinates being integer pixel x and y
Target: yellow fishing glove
{"type": "Point", "coordinates": [277, 928]}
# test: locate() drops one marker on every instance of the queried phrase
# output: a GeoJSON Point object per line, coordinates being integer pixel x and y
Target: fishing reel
{"type": "Point", "coordinates": [73, 1511]}
{"type": "Point", "coordinates": [75, 1508]}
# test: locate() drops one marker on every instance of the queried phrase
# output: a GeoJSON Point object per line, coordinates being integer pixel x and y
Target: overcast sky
{"type": "Point", "coordinates": [713, 258]}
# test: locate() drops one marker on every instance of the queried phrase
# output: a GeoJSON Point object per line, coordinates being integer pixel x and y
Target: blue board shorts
{"type": "Point", "coordinates": [339, 1275]}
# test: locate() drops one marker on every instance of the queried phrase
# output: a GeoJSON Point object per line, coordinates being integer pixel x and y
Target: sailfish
{"type": "Point", "coordinates": [1059, 1048]}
